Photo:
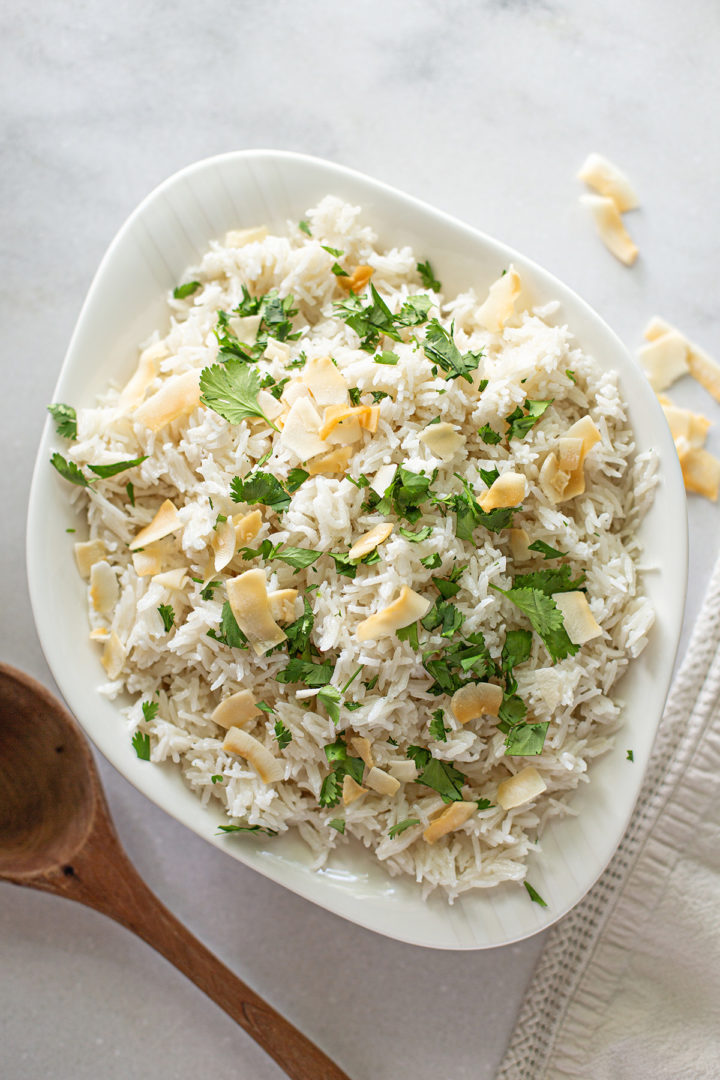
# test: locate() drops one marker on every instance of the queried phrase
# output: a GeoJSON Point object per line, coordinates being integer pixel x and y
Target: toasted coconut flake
{"type": "Point", "coordinates": [293, 390]}
{"type": "Point", "coordinates": [300, 432]}
{"type": "Point", "coordinates": [363, 749]}
{"type": "Point", "coordinates": [404, 771]}
{"type": "Point", "coordinates": [277, 350]}
{"type": "Point", "coordinates": [500, 304]}
{"type": "Point", "coordinates": [701, 366]}
{"type": "Point", "coordinates": [610, 227]}
{"type": "Point", "coordinates": [599, 173]}
{"type": "Point", "coordinates": [382, 782]}
{"type": "Point", "coordinates": [407, 608]}
{"type": "Point", "coordinates": [113, 657]}
{"type": "Point", "coordinates": [580, 624]}
{"type": "Point", "coordinates": [442, 440]}
{"type": "Point", "coordinates": [366, 415]}
{"type": "Point", "coordinates": [178, 396]}
{"type": "Point", "coordinates": [570, 453]}
{"type": "Point", "coordinates": [357, 280]}
{"type": "Point", "coordinates": [240, 742]}
{"type": "Point", "coordinates": [575, 484]}
{"type": "Point", "coordinates": [247, 526]}
{"type": "Point", "coordinates": [104, 588]}
{"type": "Point", "coordinates": [691, 427]}
{"type": "Point", "coordinates": [701, 473]}
{"type": "Point", "coordinates": [383, 478]}
{"type": "Point", "coordinates": [166, 521]}
{"type": "Point", "coordinates": [370, 540]}
{"type": "Point", "coordinates": [237, 710]}
{"type": "Point", "coordinates": [100, 633]}
{"type": "Point", "coordinates": [453, 817]}
{"type": "Point", "coordinates": [519, 544]}
{"type": "Point", "coordinates": [664, 360]}
{"type": "Point", "coordinates": [245, 327]}
{"type": "Point", "coordinates": [553, 480]}
{"type": "Point", "coordinates": [223, 545]}
{"type": "Point", "coordinates": [584, 429]}
{"type": "Point", "coordinates": [88, 552]}
{"type": "Point", "coordinates": [134, 391]}
{"type": "Point", "coordinates": [336, 461]}
{"type": "Point", "coordinates": [251, 607]}
{"type": "Point", "coordinates": [507, 490]}
{"type": "Point", "coordinates": [238, 238]}
{"type": "Point", "coordinates": [269, 405]}
{"type": "Point", "coordinates": [150, 560]}
{"type": "Point", "coordinates": [172, 579]}
{"type": "Point", "coordinates": [521, 788]}
{"type": "Point", "coordinates": [351, 790]}
{"type": "Point", "coordinates": [282, 604]}
{"type": "Point", "coordinates": [325, 382]}
{"type": "Point", "coordinates": [474, 700]}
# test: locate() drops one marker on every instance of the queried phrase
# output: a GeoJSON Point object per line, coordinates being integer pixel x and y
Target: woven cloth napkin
{"type": "Point", "coordinates": [628, 985]}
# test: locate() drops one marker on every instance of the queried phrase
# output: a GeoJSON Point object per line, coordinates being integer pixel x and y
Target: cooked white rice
{"type": "Point", "coordinates": [192, 461]}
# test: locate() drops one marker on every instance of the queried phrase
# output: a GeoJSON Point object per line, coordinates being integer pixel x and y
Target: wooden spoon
{"type": "Point", "coordinates": [56, 834]}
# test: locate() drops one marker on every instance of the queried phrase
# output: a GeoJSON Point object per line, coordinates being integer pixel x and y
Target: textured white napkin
{"type": "Point", "coordinates": [628, 985]}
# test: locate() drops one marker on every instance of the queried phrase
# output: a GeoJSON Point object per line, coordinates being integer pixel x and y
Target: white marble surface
{"type": "Point", "coordinates": [483, 108]}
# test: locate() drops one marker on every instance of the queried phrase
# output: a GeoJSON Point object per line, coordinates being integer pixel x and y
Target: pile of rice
{"type": "Point", "coordinates": [193, 460]}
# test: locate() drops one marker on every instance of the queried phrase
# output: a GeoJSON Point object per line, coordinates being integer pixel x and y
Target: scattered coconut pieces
{"type": "Point", "coordinates": [521, 788]}
{"type": "Point", "coordinates": [113, 657]}
{"type": "Point", "coordinates": [442, 440]}
{"type": "Point", "coordinates": [104, 588]}
{"type": "Point", "coordinates": [250, 605]}
{"type": "Point", "coordinates": [701, 366]}
{"type": "Point", "coordinates": [282, 604]}
{"type": "Point", "coordinates": [236, 710]}
{"type": "Point", "coordinates": [474, 700]}
{"type": "Point", "coordinates": [370, 540]}
{"type": "Point", "coordinates": [166, 521]}
{"type": "Point", "coordinates": [560, 484]}
{"type": "Point", "coordinates": [351, 790]}
{"type": "Point", "coordinates": [407, 608]}
{"type": "Point", "coordinates": [519, 544]}
{"type": "Point", "coordinates": [610, 226]}
{"type": "Point", "coordinates": [366, 416]}
{"type": "Point", "coordinates": [300, 433]}
{"type": "Point", "coordinates": [178, 396]}
{"type": "Point", "coordinates": [607, 179]}
{"type": "Point", "coordinates": [357, 280]}
{"type": "Point", "coordinates": [277, 350]}
{"type": "Point", "coordinates": [507, 490]}
{"type": "Point", "coordinates": [701, 473]}
{"type": "Point", "coordinates": [149, 561]}
{"type": "Point", "coordinates": [238, 238]}
{"type": "Point", "coordinates": [453, 817]}
{"type": "Point", "coordinates": [382, 782]}
{"type": "Point", "coordinates": [224, 545]}
{"type": "Point", "coordinates": [664, 360]}
{"type": "Point", "coordinates": [363, 749]}
{"type": "Point", "coordinates": [336, 461]}
{"type": "Point", "coordinates": [134, 391]}
{"type": "Point", "coordinates": [247, 746]}
{"type": "Point", "coordinates": [688, 429]}
{"type": "Point", "coordinates": [325, 382]}
{"type": "Point", "coordinates": [247, 526]}
{"type": "Point", "coordinates": [579, 621]}
{"type": "Point", "coordinates": [404, 771]}
{"type": "Point", "coordinates": [500, 303]}
{"type": "Point", "coordinates": [172, 579]}
{"type": "Point", "coordinates": [88, 552]}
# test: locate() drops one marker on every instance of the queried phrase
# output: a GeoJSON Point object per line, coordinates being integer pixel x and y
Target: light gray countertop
{"type": "Point", "coordinates": [485, 109]}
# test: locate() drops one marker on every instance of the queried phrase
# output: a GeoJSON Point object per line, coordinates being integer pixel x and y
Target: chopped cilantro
{"type": "Point", "coordinates": [335, 252]}
{"type": "Point", "coordinates": [534, 894]}
{"type": "Point", "coordinates": [149, 710]}
{"type": "Point", "coordinates": [330, 697]}
{"type": "Point", "coordinates": [516, 649]}
{"type": "Point", "coordinates": [282, 735]}
{"type": "Point", "coordinates": [441, 776]}
{"type": "Point", "coordinates": [167, 615]}
{"type": "Point", "coordinates": [415, 310]}
{"type": "Point", "coordinates": [571, 375]}
{"type": "Point", "coordinates": [557, 579]}
{"type": "Point", "coordinates": [409, 634]}
{"type": "Point", "coordinates": [340, 765]}
{"type": "Point", "coordinates": [448, 587]}
{"type": "Point", "coordinates": [298, 633]}
{"type": "Point", "coordinates": [141, 745]}
{"type": "Point", "coordinates": [427, 276]}
{"type": "Point", "coordinates": [437, 726]}
{"type": "Point", "coordinates": [369, 322]}
{"type": "Point", "coordinates": [401, 826]}
{"type": "Point", "coordinates": [378, 395]}
{"type": "Point", "coordinates": [431, 562]}
{"type": "Point", "coordinates": [526, 740]}
{"type": "Point", "coordinates": [416, 537]}
{"type": "Point", "coordinates": [70, 530]}
{"type": "Point", "coordinates": [183, 291]}
{"type": "Point", "coordinates": [489, 476]}
{"type": "Point", "coordinates": [304, 227]}
{"type": "Point", "coordinates": [440, 349]}
{"type": "Point", "coordinates": [231, 390]}
{"type": "Point", "coordinates": [338, 270]}
{"type": "Point", "coordinates": [264, 706]}
{"type": "Point", "coordinates": [217, 778]}
{"type": "Point", "coordinates": [338, 824]}
{"type": "Point", "coordinates": [489, 435]}
{"type": "Point", "coordinates": [483, 804]}
{"type": "Point", "coordinates": [65, 419]}
{"type": "Point", "coordinates": [130, 489]}
{"type": "Point", "coordinates": [371, 683]}
{"type": "Point", "coordinates": [522, 419]}
{"type": "Point", "coordinates": [105, 471]}
{"type": "Point", "coordinates": [247, 828]}
{"type": "Point", "coordinates": [404, 495]}
{"type": "Point", "coordinates": [354, 393]}
{"type": "Point", "coordinates": [391, 741]}
{"type": "Point", "coordinates": [629, 756]}
{"type": "Point", "coordinates": [206, 593]}
{"type": "Point", "coordinates": [386, 357]}
{"type": "Point", "coordinates": [306, 671]}
{"type": "Point", "coordinates": [545, 617]}
{"type": "Point", "coordinates": [230, 633]}
{"type": "Point", "coordinates": [260, 487]}
{"type": "Point", "coordinates": [69, 470]}
{"type": "Point", "coordinates": [545, 550]}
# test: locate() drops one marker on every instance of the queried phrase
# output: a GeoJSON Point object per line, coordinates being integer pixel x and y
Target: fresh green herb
{"type": "Point", "coordinates": [371, 683]}
{"type": "Point", "coordinates": [149, 710]}
{"type": "Point", "coordinates": [354, 393]}
{"type": "Point", "coordinates": [338, 824]}
{"type": "Point", "coordinates": [522, 419]}
{"type": "Point", "coordinates": [69, 470]}
{"type": "Point", "coordinates": [557, 579]}
{"type": "Point", "coordinates": [449, 587]}
{"type": "Point", "coordinates": [629, 756]}
{"type": "Point", "coordinates": [405, 495]}
{"type": "Point", "coordinates": [330, 790]}
{"type": "Point", "coordinates": [304, 227]}
{"type": "Point", "coordinates": [247, 828]}
{"type": "Point", "coordinates": [351, 680]}
{"type": "Point", "coordinates": [361, 482]}
{"type": "Point", "coordinates": [351, 706]}
{"type": "Point", "coordinates": [299, 361]}
{"type": "Point", "coordinates": [306, 671]}
{"type": "Point", "coordinates": [489, 435]}
{"type": "Point", "coordinates": [545, 550]}
{"type": "Point", "coordinates": [217, 778]}
{"type": "Point", "coordinates": [545, 617]}
{"type": "Point", "coordinates": [427, 276]}
{"type": "Point", "coordinates": [571, 375]}
{"type": "Point", "coordinates": [369, 322]}
{"type": "Point", "coordinates": [483, 804]}
{"type": "Point", "coordinates": [489, 476]}
{"type": "Point", "coordinates": [206, 593]}
{"type": "Point", "coordinates": [469, 514]}
{"type": "Point", "coordinates": [70, 530]}
{"type": "Point", "coordinates": [437, 726]}
{"type": "Point", "coordinates": [440, 349]}
{"type": "Point", "coordinates": [534, 895]}
{"type": "Point", "coordinates": [130, 489]}
{"type": "Point", "coordinates": [219, 520]}
{"type": "Point", "coordinates": [338, 270]}
{"type": "Point", "coordinates": [416, 537]}
{"type": "Point", "coordinates": [341, 764]}
{"type": "Point", "coordinates": [330, 697]}
{"type": "Point", "coordinates": [167, 615]}
{"type": "Point", "coordinates": [282, 734]}
{"type": "Point", "coordinates": [386, 357]}
{"type": "Point", "coordinates": [526, 740]}
{"type": "Point", "coordinates": [231, 390]}
{"type": "Point", "coordinates": [295, 478]}
{"type": "Point", "coordinates": [183, 291]}
{"type": "Point", "coordinates": [451, 667]}
{"type": "Point", "coordinates": [431, 562]}
{"type": "Point", "coordinates": [335, 252]}
{"type": "Point", "coordinates": [105, 471]}
{"type": "Point", "coordinates": [378, 395]}
{"type": "Point", "coordinates": [516, 649]}
{"type": "Point", "coordinates": [292, 556]}
{"type": "Point", "coordinates": [409, 634]}
{"type": "Point", "coordinates": [445, 617]}
{"type": "Point", "coordinates": [141, 745]}
{"type": "Point", "coordinates": [264, 706]}
{"type": "Point", "coordinates": [65, 419]}
{"type": "Point", "coordinates": [230, 633]}
{"type": "Point", "coordinates": [441, 776]}
{"type": "Point", "coordinates": [415, 310]}
{"type": "Point", "coordinates": [260, 487]}
{"type": "Point", "coordinates": [512, 711]}
{"type": "Point", "coordinates": [391, 741]}
{"type": "Point", "coordinates": [401, 826]}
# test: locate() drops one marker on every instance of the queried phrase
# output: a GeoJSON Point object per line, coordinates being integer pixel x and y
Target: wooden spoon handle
{"type": "Point", "coordinates": [107, 881]}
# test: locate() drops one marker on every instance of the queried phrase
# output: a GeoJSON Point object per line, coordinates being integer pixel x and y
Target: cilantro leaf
{"type": "Point", "coordinates": [369, 322]}
{"type": "Point", "coordinates": [299, 670]}
{"type": "Point", "coordinates": [206, 593]}
{"type": "Point", "coordinates": [545, 617]}
{"type": "Point", "coordinates": [431, 562]}
{"type": "Point", "coordinates": [130, 489]}
{"type": "Point", "coordinates": [295, 478]}
{"type": "Point", "coordinates": [534, 894]}
{"type": "Point", "coordinates": [427, 276]}
{"type": "Point", "coordinates": [386, 357]}
{"type": "Point", "coordinates": [65, 419]}
{"type": "Point", "coordinates": [489, 435]}
{"type": "Point", "coordinates": [69, 470]}
{"type": "Point", "coordinates": [629, 756]}
{"type": "Point", "coordinates": [416, 537]}
{"type": "Point", "coordinates": [217, 778]}
{"type": "Point", "coordinates": [141, 745]}
{"type": "Point", "coordinates": [437, 726]}
{"type": "Point", "coordinates": [469, 514]}
{"type": "Point", "coordinates": [516, 649]}
{"type": "Point", "coordinates": [260, 487]}
{"type": "Point", "coordinates": [409, 634]}
{"type": "Point", "coordinates": [183, 291]}
{"type": "Point", "coordinates": [545, 550]}
{"type": "Point", "coordinates": [526, 740]}
{"type": "Point", "coordinates": [489, 476]}
{"type": "Point", "coordinates": [335, 252]}
{"type": "Point", "coordinates": [401, 826]}
{"type": "Point", "coordinates": [282, 734]}
{"type": "Point", "coordinates": [150, 710]}
{"type": "Point", "coordinates": [445, 617]}
{"type": "Point", "coordinates": [570, 374]}
{"type": "Point", "coordinates": [449, 587]}
{"type": "Point", "coordinates": [167, 615]}
{"type": "Point", "coordinates": [341, 764]}
{"type": "Point", "coordinates": [231, 390]}
{"type": "Point", "coordinates": [297, 557]}
{"type": "Point", "coordinates": [298, 632]}
{"type": "Point", "coordinates": [415, 310]}
{"type": "Point", "coordinates": [330, 697]}
{"type": "Point", "coordinates": [404, 495]}
{"type": "Point", "coordinates": [557, 579]}
{"type": "Point", "coordinates": [304, 227]}
{"type": "Point", "coordinates": [264, 706]}
{"type": "Point", "coordinates": [338, 824]}
{"type": "Point", "coordinates": [247, 828]}
{"type": "Point", "coordinates": [331, 790]}
{"type": "Point", "coordinates": [521, 420]}
{"type": "Point", "coordinates": [441, 776]}
{"type": "Point", "coordinates": [105, 471]}
{"type": "Point", "coordinates": [230, 633]}
{"type": "Point", "coordinates": [440, 349]}
{"type": "Point", "coordinates": [512, 711]}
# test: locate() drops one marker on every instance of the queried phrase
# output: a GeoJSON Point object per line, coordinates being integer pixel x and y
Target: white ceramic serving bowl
{"type": "Point", "coordinates": [126, 302]}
